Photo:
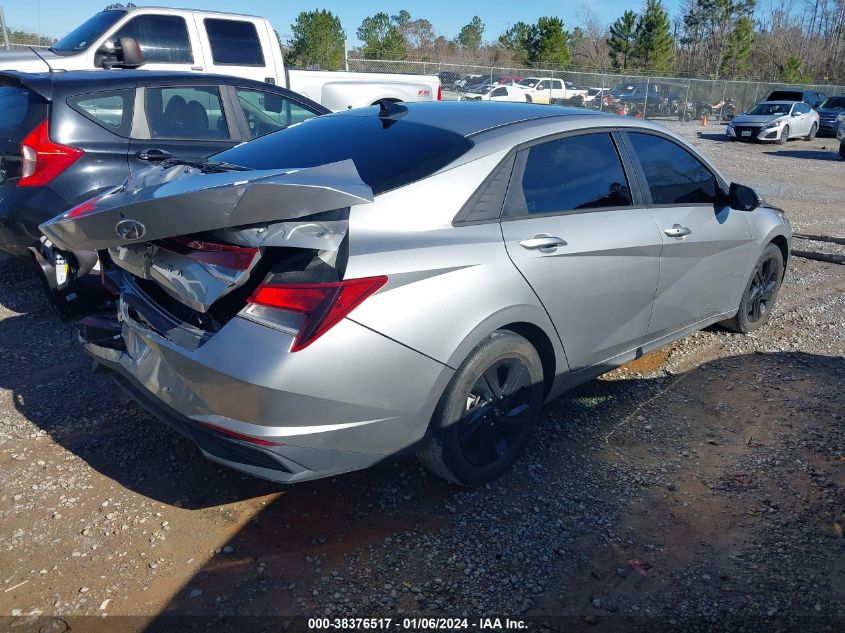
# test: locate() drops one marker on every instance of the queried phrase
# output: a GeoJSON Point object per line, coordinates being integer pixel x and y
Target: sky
{"type": "Point", "coordinates": [54, 18]}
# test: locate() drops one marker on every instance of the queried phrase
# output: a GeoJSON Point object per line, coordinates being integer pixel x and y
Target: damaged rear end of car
{"type": "Point", "coordinates": [225, 276]}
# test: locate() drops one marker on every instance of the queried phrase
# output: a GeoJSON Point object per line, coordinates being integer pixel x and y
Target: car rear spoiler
{"type": "Point", "coordinates": [39, 83]}
{"type": "Point", "coordinates": [162, 203]}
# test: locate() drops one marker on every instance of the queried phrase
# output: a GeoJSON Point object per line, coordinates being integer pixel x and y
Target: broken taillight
{"type": "Point", "coordinates": [212, 253]}
{"type": "Point", "coordinates": [308, 310]}
{"type": "Point", "coordinates": [44, 159]}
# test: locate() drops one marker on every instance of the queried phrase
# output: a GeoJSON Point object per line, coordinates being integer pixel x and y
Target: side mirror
{"type": "Point", "coordinates": [743, 198]}
{"type": "Point", "coordinates": [130, 52]}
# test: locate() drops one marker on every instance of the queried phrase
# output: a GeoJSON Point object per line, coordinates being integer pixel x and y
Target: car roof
{"type": "Point", "coordinates": [79, 81]}
{"type": "Point", "coordinates": [468, 118]}
{"type": "Point", "coordinates": [778, 102]}
{"type": "Point", "coordinates": [133, 8]}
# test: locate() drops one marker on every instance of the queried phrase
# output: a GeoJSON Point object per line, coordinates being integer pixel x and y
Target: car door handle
{"type": "Point", "coordinates": [542, 242]}
{"type": "Point", "coordinates": [153, 155]}
{"type": "Point", "coordinates": [677, 231]}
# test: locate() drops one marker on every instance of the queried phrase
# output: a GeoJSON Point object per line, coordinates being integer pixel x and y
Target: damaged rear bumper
{"type": "Point", "coordinates": [316, 413]}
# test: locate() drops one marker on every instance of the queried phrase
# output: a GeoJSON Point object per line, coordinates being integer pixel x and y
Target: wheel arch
{"type": "Point", "coordinates": [781, 242]}
{"type": "Point", "coordinates": [543, 344]}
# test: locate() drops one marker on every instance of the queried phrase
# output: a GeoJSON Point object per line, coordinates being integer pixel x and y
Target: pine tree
{"type": "Point", "coordinates": [740, 43]}
{"type": "Point", "coordinates": [518, 41]}
{"type": "Point", "coordinates": [792, 74]}
{"type": "Point", "coordinates": [621, 41]}
{"type": "Point", "coordinates": [551, 42]}
{"type": "Point", "coordinates": [382, 39]}
{"type": "Point", "coordinates": [470, 35]}
{"type": "Point", "coordinates": [653, 38]}
{"type": "Point", "coordinates": [318, 40]}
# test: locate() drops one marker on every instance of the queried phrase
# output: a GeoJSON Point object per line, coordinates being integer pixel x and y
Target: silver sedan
{"type": "Point", "coordinates": [417, 277]}
{"type": "Point", "coordinates": [775, 121]}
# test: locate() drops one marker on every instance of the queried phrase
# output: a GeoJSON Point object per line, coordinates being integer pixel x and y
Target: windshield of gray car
{"type": "Point", "coordinates": [834, 103]}
{"type": "Point", "coordinates": [387, 153]}
{"type": "Point", "coordinates": [83, 36]}
{"type": "Point", "coordinates": [770, 109]}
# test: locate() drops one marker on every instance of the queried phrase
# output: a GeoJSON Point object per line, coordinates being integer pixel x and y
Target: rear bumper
{"type": "Point", "coordinates": [350, 400]}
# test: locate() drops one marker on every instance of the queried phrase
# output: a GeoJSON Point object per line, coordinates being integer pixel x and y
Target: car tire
{"type": "Point", "coordinates": [842, 150]}
{"type": "Point", "coordinates": [486, 414]}
{"type": "Point", "coordinates": [528, 99]}
{"type": "Point", "coordinates": [812, 134]}
{"type": "Point", "coordinates": [760, 293]}
{"type": "Point", "coordinates": [784, 136]}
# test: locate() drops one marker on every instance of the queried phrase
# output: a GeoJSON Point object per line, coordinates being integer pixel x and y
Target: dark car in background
{"type": "Point", "coordinates": [68, 137]}
{"type": "Point", "coordinates": [831, 115]}
{"type": "Point", "coordinates": [652, 98]}
{"type": "Point", "coordinates": [813, 98]}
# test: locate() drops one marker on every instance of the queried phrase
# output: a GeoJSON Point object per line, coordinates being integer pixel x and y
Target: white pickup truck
{"type": "Point", "coordinates": [211, 42]}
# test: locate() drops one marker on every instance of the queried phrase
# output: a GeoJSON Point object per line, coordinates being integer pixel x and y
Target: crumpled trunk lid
{"type": "Point", "coordinates": [201, 236]}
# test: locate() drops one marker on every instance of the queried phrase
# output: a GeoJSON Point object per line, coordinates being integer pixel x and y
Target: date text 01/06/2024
{"type": "Point", "coordinates": [417, 624]}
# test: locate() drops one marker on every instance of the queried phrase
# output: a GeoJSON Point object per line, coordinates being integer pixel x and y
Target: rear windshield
{"type": "Point", "coordinates": [785, 95]}
{"type": "Point", "coordinates": [387, 154]}
{"type": "Point", "coordinates": [20, 111]}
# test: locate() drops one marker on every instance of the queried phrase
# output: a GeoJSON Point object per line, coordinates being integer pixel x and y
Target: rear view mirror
{"type": "Point", "coordinates": [130, 53]}
{"type": "Point", "coordinates": [273, 102]}
{"type": "Point", "coordinates": [743, 198]}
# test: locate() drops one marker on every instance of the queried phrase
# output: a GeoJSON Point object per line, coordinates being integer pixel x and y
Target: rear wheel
{"type": "Point", "coordinates": [784, 136]}
{"type": "Point", "coordinates": [760, 294]}
{"type": "Point", "coordinates": [812, 133]}
{"type": "Point", "coordinates": [842, 150]}
{"type": "Point", "coordinates": [485, 416]}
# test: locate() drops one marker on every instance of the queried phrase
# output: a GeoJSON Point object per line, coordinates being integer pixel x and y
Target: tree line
{"type": "Point", "coordinates": [732, 39]}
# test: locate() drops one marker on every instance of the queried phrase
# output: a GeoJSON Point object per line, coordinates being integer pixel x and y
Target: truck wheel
{"type": "Point", "coordinates": [528, 98]}
{"type": "Point", "coordinates": [842, 150]}
{"type": "Point", "coordinates": [485, 417]}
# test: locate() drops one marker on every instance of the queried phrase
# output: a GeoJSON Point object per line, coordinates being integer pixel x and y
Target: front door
{"type": "Point", "coordinates": [706, 244]}
{"type": "Point", "coordinates": [572, 228]}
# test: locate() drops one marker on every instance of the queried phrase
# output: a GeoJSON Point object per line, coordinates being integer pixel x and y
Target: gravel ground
{"type": "Point", "coordinates": [704, 482]}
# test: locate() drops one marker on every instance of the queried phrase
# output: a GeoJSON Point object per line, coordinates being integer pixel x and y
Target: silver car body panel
{"type": "Point", "coordinates": [367, 388]}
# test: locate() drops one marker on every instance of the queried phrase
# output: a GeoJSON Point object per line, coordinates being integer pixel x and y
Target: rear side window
{"type": "Point", "coordinates": [163, 38]}
{"type": "Point", "coordinates": [20, 111]}
{"type": "Point", "coordinates": [234, 42]}
{"type": "Point", "coordinates": [570, 174]}
{"type": "Point", "coordinates": [387, 154]}
{"type": "Point", "coordinates": [674, 176]}
{"type": "Point", "coordinates": [499, 92]}
{"type": "Point", "coordinates": [111, 110]}
{"type": "Point", "coordinates": [189, 112]}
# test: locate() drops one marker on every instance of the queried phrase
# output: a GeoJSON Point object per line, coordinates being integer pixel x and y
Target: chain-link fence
{"type": "Point", "coordinates": [684, 99]}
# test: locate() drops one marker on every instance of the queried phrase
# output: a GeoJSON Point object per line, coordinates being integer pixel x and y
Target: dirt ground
{"type": "Point", "coordinates": [702, 484]}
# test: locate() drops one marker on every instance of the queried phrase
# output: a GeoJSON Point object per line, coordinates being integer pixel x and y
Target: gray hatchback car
{"type": "Point", "coordinates": [417, 277]}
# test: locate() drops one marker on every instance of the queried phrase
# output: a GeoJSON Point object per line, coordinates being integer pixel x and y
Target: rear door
{"type": "Point", "coordinates": [186, 122]}
{"type": "Point", "coordinates": [585, 243]}
{"type": "Point", "coordinates": [238, 47]}
{"type": "Point", "coordinates": [706, 244]}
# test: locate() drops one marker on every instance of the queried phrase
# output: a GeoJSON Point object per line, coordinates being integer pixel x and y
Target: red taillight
{"type": "Point", "coordinates": [43, 159]}
{"type": "Point", "coordinates": [223, 255]}
{"type": "Point", "coordinates": [241, 436]}
{"type": "Point", "coordinates": [440, 93]}
{"type": "Point", "coordinates": [320, 306]}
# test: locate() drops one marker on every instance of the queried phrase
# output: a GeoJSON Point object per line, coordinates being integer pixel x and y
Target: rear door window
{"type": "Point", "coordinates": [267, 112]}
{"type": "Point", "coordinates": [674, 176]}
{"type": "Point", "coordinates": [111, 110]}
{"type": "Point", "coordinates": [188, 112]}
{"type": "Point", "coordinates": [569, 174]}
{"type": "Point", "coordinates": [163, 38]}
{"type": "Point", "coordinates": [234, 42]}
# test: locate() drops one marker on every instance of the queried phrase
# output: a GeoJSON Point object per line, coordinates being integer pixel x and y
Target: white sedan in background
{"type": "Point", "coordinates": [495, 93]}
